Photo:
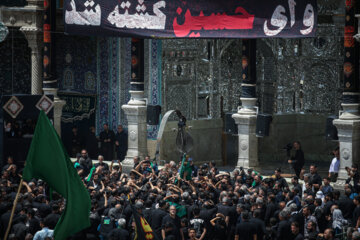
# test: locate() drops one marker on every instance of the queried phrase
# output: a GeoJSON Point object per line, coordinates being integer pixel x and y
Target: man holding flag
{"type": "Point", "coordinates": [143, 230]}
{"type": "Point", "coordinates": [47, 160]}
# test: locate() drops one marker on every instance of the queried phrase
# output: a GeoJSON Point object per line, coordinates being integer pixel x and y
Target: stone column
{"type": "Point", "coordinates": [245, 118]}
{"type": "Point", "coordinates": [135, 110]}
{"type": "Point", "coordinates": [348, 124]}
{"type": "Point", "coordinates": [34, 38]}
{"type": "Point", "coordinates": [349, 144]}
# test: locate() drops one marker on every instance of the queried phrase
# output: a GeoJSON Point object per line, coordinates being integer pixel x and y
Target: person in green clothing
{"type": "Point", "coordinates": [186, 169]}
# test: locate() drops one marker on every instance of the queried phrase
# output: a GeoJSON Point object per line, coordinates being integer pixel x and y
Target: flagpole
{"type": "Point", "coordinates": [13, 210]}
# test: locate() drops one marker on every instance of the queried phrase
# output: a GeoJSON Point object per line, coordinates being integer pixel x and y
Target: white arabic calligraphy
{"type": "Point", "coordinates": [308, 20]}
{"type": "Point", "coordinates": [279, 19]}
{"type": "Point", "coordinates": [87, 17]}
{"type": "Point", "coordinates": [292, 5]}
{"type": "Point", "coordinates": [139, 20]}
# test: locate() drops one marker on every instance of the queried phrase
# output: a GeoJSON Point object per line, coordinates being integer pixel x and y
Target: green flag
{"type": "Point", "coordinates": [48, 160]}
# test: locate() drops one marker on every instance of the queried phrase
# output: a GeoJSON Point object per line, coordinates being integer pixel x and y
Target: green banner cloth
{"type": "Point", "coordinates": [48, 160]}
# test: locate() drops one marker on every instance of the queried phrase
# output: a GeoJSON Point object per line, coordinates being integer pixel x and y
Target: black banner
{"type": "Point", "coordinates": [77, 107]}
{"type": "Point", "coordinates": [192, 18]}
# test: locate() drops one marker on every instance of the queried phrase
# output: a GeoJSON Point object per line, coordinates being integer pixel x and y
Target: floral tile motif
{"type": "Point", "coordinates": [155, 81]}
{"type": "Point", "coordinates": [45, 104]}
{"type": "Point", "coordinates": [76, 63]}
{"type": "Point", "coordinates": [13, 107]}
{"type": "Point", "coordinates": [90, 81]}
{"type": "Point", "coordinates": [68, 79]}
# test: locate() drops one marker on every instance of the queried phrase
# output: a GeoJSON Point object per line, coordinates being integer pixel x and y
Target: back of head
{"type": "Point", "coordinates": [284, 213]}
{"type": "Point", "coordinates": [318, 201]}
{"type": "Point", "coordinates": [257, 213]}
{"type": "Point", "coordinates": [122, 222]}
{"type": "Point", "coordinates": [348, 192]}
{"type": "Point", "coordinates": [196, 211]}
{"type": "Point", "coordinates": [245, 215]}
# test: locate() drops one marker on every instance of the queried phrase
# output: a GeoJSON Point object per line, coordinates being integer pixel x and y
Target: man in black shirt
{"type": "Point", "coordinates": [107, 142]}
{"type": "Point", "coordinates": [101, 163]}
{"type": "Point", "coordinates": [356, 221]}
{"type": "Point", "coordinates": [157, 216]}
{"type": "Point", "coordinates": [85, 162]}
{"type": "Point", "coordinates": [270, 208]}
{"type": "Point", "coordinates": [297, 161]}
{"type": "Point", "coordinates": [346, 205]}
{"type": "Point", "coordinates": [315, 178]}
{"type": "Point", "coordinates": [280, 180]}
{"type": "Point", "coordinates": [260, 225]}
{"type": "Point", "coordinates": [296, 235]}
{"type": "Point", "coordinates": [119, 233]}
{"type": "Point", "coordinates": [53, 217]}
{"type": "Point", "coordinates": [121, 142]}
{"type": "Point", "coordinates": [296, 185]}
{"type": "Point", "coordinates": [353, 175]}
{"type": "Point", "coordinates": [198, 224]}
{"type": "Point", "coordinates": [284, 229]}
{"type": "Point", "coordinates": [246, 230]}
{"type": "Point", "coordinates": [224, 209]}
{"type": "Point", "coordinates": [173, 220]}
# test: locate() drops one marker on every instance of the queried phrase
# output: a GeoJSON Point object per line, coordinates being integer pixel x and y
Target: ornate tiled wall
{"type": "Point", "coordinates": [153, 74]}
{"type": "Point", "coordinates": [15, 65]}
{"type": "Point", "coordinates": [201, 77]}
{"type": "Point", "coordinates": [101, 66]}
{"type": "Point", "coordinates": [293, 75]}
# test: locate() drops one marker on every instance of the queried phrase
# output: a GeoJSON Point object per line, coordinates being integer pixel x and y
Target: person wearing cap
{"type": "Point", "coordinates": [335, 165]}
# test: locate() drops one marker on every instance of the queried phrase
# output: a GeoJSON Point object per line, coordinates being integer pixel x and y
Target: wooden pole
{"type": "Point", "coordinates": [13, 210]}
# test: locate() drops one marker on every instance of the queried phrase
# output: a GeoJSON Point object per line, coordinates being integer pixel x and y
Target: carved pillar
{"type": "Point", "coordinates": [350, 99]}
{"type": "Point", "coordinates": [34, 38]}
{"type": "Point", "coordinates": [245, 118]}
{"type": "Point", "coordinates": [349, 141]}
{"type": "Point", "coordinates": [348, 124]}
{"type": "Point", "coordinates": [50, 84]}
{"type": "Point", "coordinates": [135, 110]}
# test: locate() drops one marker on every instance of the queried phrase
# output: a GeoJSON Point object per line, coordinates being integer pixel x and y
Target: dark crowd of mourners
{"type": "Point", "coordinates": [189, 202]}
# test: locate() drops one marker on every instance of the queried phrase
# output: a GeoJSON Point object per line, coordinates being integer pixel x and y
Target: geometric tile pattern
{"type": "Point", "coordinates": [13, 107]}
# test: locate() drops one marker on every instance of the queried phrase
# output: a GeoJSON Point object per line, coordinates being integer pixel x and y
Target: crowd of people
{"type": "Point", "coordinates": [188, 202]}
{"type": "Point", "coordinates": [106, 143]}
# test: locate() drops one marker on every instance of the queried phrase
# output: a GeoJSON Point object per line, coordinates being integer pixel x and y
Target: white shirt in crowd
{"type": "Point", "coordinates": [335, 165]}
